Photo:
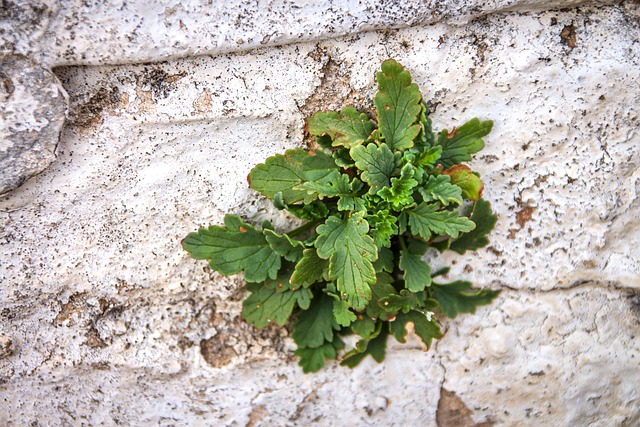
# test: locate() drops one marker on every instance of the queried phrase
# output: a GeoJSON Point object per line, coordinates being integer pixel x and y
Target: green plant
{"type": "Point", "coordinates": [375, 197]}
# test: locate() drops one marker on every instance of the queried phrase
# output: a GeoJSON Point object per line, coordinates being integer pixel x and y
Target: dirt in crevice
{"type": "Point", "coordinates": [334, 91]}
{"type": "Point", "coordinates": [453, 412]}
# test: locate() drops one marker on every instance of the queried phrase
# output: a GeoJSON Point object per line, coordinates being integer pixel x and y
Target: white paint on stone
{"type": "Point", "coordinates": [107, 316]}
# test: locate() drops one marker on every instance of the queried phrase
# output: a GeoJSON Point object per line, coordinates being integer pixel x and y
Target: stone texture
{"type": "Point", "coordinates": [105, 320]}
{"type": "Point", "coordinates": [59, 33]}
{"type": "Point", "coordinates": [32, 112]}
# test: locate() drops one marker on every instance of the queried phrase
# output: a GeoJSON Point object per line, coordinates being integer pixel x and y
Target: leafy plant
{"type": "Point", "coordinates": [375, 198]}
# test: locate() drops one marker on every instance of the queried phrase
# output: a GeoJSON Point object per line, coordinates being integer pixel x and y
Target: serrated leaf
{"type": "Point", "coordinates": [417, 273]}
{"type": "Point", "coordinates": [236, 247]}
{"type": "Point", "coordinates": [310, 269]}
{"type": "Point", "coordinates": [470, 183]}
{"type": "Point", "coordinates": [384, 261]}
{"type": "Point", "coordinates": [311, 212]}
{"type": "Point", "coordinates": [315, 325]}
{"type": "Point", "coordinates": [378, 165]}
{"type": "Point", "coordinates": [351, 252]}
{"type": "Point", "coordinates": [283, 173]}
{"type": "Point", "coordinates": [426, 138]}
{"type": "Point", "coordinates": [397, 103]}
{"type": "Point", "coordinates": [426, 329]}
{"type": "Point", "coordinates": [383, 227]}
{"type": "Point", "coordinates": [265, 305]}
{"type": "Point", "coordinates": [339, 185]}
{"type": "Point", "coordinates": [458, 297]}
{"type": "Point", "coordinates": [348, 129]}
{"type": "Point", "coordinates": [365, 327]}
{"type": "Point", "coordinates": [425, 220]}
{"type": "Point", "coordinates": [477, 238]}
{"type": "Point", "coordinates": [465, 141]}
{"type": "Point", "coordinates": [401, 189]}
{"type": "Point", "coordinates": [284, 245]}
{"type": "Point", "coordinates": [380, 290]}
{"type": "Point", "coordinates": [303, 297]}
{"type": "Point", "coordinates": [313, 359]}
{"type": "Point", "coordinates": [405, 302]}
{"type": "Point", "coordinates": [439, 188]}
{"type": "Point", "coordinates": [342, 314]}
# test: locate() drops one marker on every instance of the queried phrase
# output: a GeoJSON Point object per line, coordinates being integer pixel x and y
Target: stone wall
{"type": "Point", "coordinates": [104, 319]}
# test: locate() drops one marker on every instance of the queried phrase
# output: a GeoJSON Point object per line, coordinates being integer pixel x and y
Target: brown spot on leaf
{"type": "Point", "coordinates": [242, 229]}
{"type": "Point", "coordinates": [452, 412]}
{"type": "Point", "coordinates": [568, 36]}
{"type": "Point", "coordinates": [452, 133]}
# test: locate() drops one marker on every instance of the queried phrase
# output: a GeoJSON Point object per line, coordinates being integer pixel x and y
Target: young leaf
{"type": "Point", "coordinates": [383, 227]}
{"type": "Point", "coordinates": [426, 137]}
{"type": "Point", "coordinates": [466, 140]}
{"type": "Point", "coordinates": [417, 273]}
{"type": "Point", "coordinates": [439, 188]}
{"type": "Point", "coordinates": [426, 329]}
{"type": "Point", "coordinates": [476, 238]}
{"type": "Point", "coordinates": [342, 314]}
{"type": "Point", "coordinates": [348, 129]}
{"type": "Point", "coordinates": [284, 245]}
{"type": "Point", "coordinates": [470, 183]}
{"type": "Point", "coordinates": [424, 221]}
{"type": "Point", "coordinates": [378, 165]}
{"type": "Point", "coordinates": [310, 269]}
{"type": "Point", "coordinates": [233, 248]}
{"type": "Point", "coordinates": [397, 103]}
{"type": "Point", "coordinates": [365, 327]}
{"type": "Point", "coordinates": [351, 253]}
{"type": "Point", "coordinates": [313, 359]}
{"type": "Point", "coordinates": [265, 305]}
{"type": "Point", "coordinates": [399, 194]}
{"type": "Point", "coordinates": [315, 325]}
{"type": "Point", "coordinates": [284, 173]}
{"type": "Point", "coordinates": [458, 297]}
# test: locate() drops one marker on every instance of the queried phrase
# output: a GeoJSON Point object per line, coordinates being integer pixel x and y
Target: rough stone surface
{"type": "Point", "coordinates": [32, 112]}
{"type": "Point", "coordinates": [68, 32]}
{"type": "Point", "coordinates": [105, 320]}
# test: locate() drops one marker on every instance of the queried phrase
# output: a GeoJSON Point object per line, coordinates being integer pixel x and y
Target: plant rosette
{"type": "Point", "coordinates": [375, 195]}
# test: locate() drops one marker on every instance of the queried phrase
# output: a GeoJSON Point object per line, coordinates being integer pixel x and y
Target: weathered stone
{"type": "Point", "coordinates": [32, 111]}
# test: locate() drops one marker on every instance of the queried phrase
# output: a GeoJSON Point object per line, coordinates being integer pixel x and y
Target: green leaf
{"type": "Point", "coordinates": [283, 173]}
{"type": "Point", "coordinates": [381, 290]}
{"type": "Point", "coordinates": [426, 329]}
{"type": "Point", "coordinates": [348, 129]}
{"type": "Point", "coordinates": [424, 221]}
{"type": "Point", "coordinates": [339, 185]}
{"type": "Point", "coordinates": [384, 261]}
{"type": "Point", "coordinates": [265, 305]}
{"type": "Point", "coordinates": [313, 359]}
{"type": "Point", "coordinates": [477, 238]}
{"type": "Point", "coordinates": [342, 314]}
{"type": "Point", "coordinates": [284, 245]}
{"type": "Point", "coordinates": [310, 269]}
{"type": "Point", "coordinates": [461, 143]}
{"type": "Point", "coordinates": [383, 227]}
{"type": "Point", "coordinates": [375, 347]}
{"type": "Point", "coordinates": [399, 194]}
{"type": "Point", "coordinates": [303, 298]}
{"type": "Point", "coordinates": [350, 252]}
{"type": "Point", "coordinates": [398, 105]}
{"type": "Point", "coordinates": [458, 297]}
{"type": "Point", "coordinates": [311, 212]}
{"type": "Point", "coordinates": [315, 325]}
{"type": "Point", "coordinates": [365, 327]}
{"type": "Point", "coordinates": [426, 137]}
{"type": "Point", "coordinates": [470, 183]}
{"type": "Point", "coordinates": [404, 302]}
{"type": "Point", "coordinates": [378, 165]}
{"type": "Point", "coordinates": [234, 248]}
{"type": "Point", "coordinates": [439, 188]}
{"type": "Point", "coordinates": [417, 273]}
